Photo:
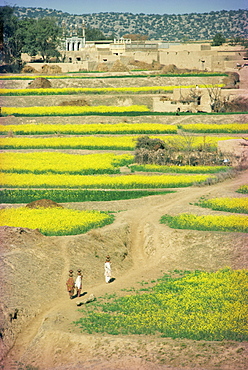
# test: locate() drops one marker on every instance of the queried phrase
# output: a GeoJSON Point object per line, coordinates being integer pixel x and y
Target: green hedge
{"type": "Point", "coordinates": [69, 195]}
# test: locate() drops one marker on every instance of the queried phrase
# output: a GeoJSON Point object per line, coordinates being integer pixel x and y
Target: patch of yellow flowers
{"type": "Point", "coordinates": [97, 90]}
{"type": "Point", "coordinates": [234, 223]}
{"type": "Point", "coordinates": [16, 180]}
{"type": "Point", "coordinates": [239, 205]}
{"type": "Point", "coordinates": [86, 142]}
{"type": "Point", "coordinates": [54, 221]}
{"type": "Point", "coordinates": [39, 162]}
{"type": "Point", "coordinates": [89, 129]}
{"type": "Point", "coordinates": [71, 110]}
{"type": "Point", "coordinates": [100, 142]}
{"type": "Point", "coordinates": [243, 189]}
{"type": "Point", "coordinates": [199, 306]}
{"type": "Point", "coordinates": [212, 128]}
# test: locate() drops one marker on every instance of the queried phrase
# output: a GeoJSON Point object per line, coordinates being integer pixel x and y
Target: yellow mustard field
{"type": "Point", "coordinates": [17, 180]}
{"type": "Point", "coordinates": [58, 162]}
{"type": "Point", "coordinates": [236, 223]}
{"type": "Point", "coordinates": [53, 221]}
{"type": "Point", "coordinates": [215, 128]}
{"type": "Point", "coordinates": [99, 90]}
{"type": "Point", "coordinates": [71, 110]}
{"type": "Point", "coordinates": [34, 129]}
{"type": "Point", "coordinates": [120, 142]}
{"type": "Point", "coordinates": [239, 205]}
{"type": "Point", "coordinates": [199, 306]}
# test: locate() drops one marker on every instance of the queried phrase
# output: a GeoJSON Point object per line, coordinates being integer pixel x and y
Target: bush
{"type": "Point", "coordinates": [218, 39]}
{"type": "Point", "coordinates": [145, 142]}
{"type": "Point", "coordinates": [176, 152]}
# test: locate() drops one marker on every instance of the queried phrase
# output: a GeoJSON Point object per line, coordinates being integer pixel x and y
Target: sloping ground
{"type": "Point", "coordinates": [36, 313]}
{"type": "Point", "coordinates": [35, 270]}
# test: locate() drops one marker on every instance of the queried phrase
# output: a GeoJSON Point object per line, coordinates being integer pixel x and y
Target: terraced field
{"type": "Point", "coordinates": [85, 163]}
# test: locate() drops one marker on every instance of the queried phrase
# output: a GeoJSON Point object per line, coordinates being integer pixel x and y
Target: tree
{"type": "Point", "coordinates": [30, 36]}
{"type": "Point", "coordinates": [94, 34]}
{"type": "Point", "coordinates": [217, 103]}
{"type": "Point", "coordinates": [238, 40]}
{"type": "Point", "coordinates": [11, 41]}
{"type": "Point", "coordinates": [41, 36]}
{"type": "Point", "coordinates": [218, 39]}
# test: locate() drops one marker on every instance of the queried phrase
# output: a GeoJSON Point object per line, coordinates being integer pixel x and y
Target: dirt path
{"type": "Point", "coordinates": [152, 252]}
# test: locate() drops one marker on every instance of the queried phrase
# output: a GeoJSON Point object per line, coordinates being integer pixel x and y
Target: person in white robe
{"type": "Point", "coordinates": [78, 283]}
{"type": "Point", "coordinates": [107, 270]}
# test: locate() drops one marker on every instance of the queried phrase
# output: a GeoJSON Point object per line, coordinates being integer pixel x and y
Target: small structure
{"type": "Point", "coordinates": [196, 99]}
{"type": "Point", "coordinates": [75, 40]}
{"type": "Point", "coordinates": [184, 100]}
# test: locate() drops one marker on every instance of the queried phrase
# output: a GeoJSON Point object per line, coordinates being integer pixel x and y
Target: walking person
{"type": "Point", "coordinates": [78, 283]}
{"type": "Point", "coordinates": [107, 270]}
{"type": "Point", "coordinates": [70, 284]}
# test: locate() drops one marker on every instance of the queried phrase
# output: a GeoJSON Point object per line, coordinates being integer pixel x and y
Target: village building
{"type": "Point", "coordinates": [80, 54]}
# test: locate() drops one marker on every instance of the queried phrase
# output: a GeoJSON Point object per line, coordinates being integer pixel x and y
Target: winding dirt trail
{"type": "Point", "coordinates": [152, 251]}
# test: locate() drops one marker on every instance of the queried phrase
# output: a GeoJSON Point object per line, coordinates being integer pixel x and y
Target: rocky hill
{"type": "Point", "coordinates": [168, 27]}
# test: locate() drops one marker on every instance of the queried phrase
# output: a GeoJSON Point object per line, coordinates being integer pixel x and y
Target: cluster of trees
{"type": "Point", "coordinates": [219, 39]}
{"type": "Point", "coordinates": [170, 27]}
{"type": "Point", "coordinates": [93, 34]}
{"type": "Point", "coordinates": [33, 36]}
{"type": "Point", "coordinates": [41, 36]}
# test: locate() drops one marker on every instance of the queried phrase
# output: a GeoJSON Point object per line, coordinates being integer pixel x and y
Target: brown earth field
{"type": "Point", "coordinates": [36, 322]}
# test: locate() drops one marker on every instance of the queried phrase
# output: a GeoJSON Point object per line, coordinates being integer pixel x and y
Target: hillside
{"type": "Point", "coordinates": [168, 27]}
{"type": "Point", "coordinates": [37, 318]}
{"type": "Point", "coordinates": [47, 338]}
